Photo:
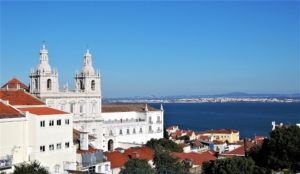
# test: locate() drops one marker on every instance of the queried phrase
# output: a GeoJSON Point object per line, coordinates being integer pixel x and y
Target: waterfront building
{"type": "Point", "coordinates": [230, 135]}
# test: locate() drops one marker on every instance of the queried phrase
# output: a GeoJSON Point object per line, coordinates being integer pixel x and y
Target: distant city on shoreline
{"type": "Point", "coordinates": [219, 98]}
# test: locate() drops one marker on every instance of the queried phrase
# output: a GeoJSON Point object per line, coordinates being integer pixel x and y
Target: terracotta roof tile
{"type": "Point", "coordinates": [198, 158]}
{"type": "Point", "coordinates": [218, 142]}
{"type": "Point", "coordinates": [116, 159]}
{"type": "Point", "coordinates": [204, 137]}
{"type": "Point", "coordinates": [144, 152]}
{"type": "Point", "coordinates": [13, 83]}
{"type": "Point", "coordinates": [172, 127]}
{"type": "Point", "coordinates": [43, 111]}
{"type": "Point", "coordinates": [239, 151]}
{"type": "Point", "coordinates": [19, 97]}
{"type": "Point", "coordinates": [189, 133]}
{"type": "Point", "coordinates": [7, 111]}
{"type": "Point", "coordinates": [126, 108]}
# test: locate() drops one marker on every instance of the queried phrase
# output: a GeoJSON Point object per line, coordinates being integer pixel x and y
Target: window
{"type": "Point", "coordinates": [51, 122]}
{"type": "Point", "coordinates": [110, 133]}
{"type": "Point", "coordinates": [58, 122]}
{"type": "Point", "coordinates": [42, 148]}
{"type": "Point", "coordinates": [67, 121]}
{"type": "Point", "coordinates": [42, 123]}
{"type": "Point", "coordinates": [141, 130]}
{"type": "Point", "coordinates": [158, 118]}
{"type": "Point", "coordinates": [81, 109]}
{"type": "Point", "coordinates": [93, 85]}
{"type": "Point", "coordinates": [120, 132]}
{"type": "Point", "coordinates": [134, 130]}
{"type": "Point", "coordinates": [67, 145]}
{"type": "Point", "coordinates": [127, 131]}
{"type": "Point", "coordinates": [72, 108]}
{"type": "Point", "coordinates": [51, 147]}
{"type": "Point", "coordinates": [150, 128]}
{"type": "Point", "coordinates": [58, 146]}
{"type": "Point", "coordinates": [106, 167]}
{"type": "Point", "coordinates": [62, 107]}
{"type": "Point", "coordinates": [49, 84]}
{"type": "Point", "coordinates": [11, 85]}
{"type": "Point", "coordinates": [99, 168]}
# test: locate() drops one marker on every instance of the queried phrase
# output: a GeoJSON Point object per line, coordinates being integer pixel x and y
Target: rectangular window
{"type": "Point", "coordinates": [99, 169]}
{"type": "Point", "coordinates": [51, 122]}
{"type": "Point", "coordinates": [58, 122]}
{"type": "Point", "coordinates": [81, 109]}
{"type": "Point", "coordinates": [42, 123]}
{"type": "Point", "coordinates": [106, 167]}
{"type": "Point", "coordinates": [127, 131]}
{"type": "Point", "coordinates": [141, 130]}
{"type": "Point", "coordinates": [67, 121]}
{"type": "Point", "coordinates": [72, 108]}
{"type": "Point", "coordinates": [62, 107]}
{"type": "Point", "coordinates": [42, 148]}
{"type": "Point", "coordinates": [67, 145]}
{"type": "Point", "coordinates": [150, 128]}
{"type": "Point", "coordinates": [120, 132]}
{"type": "Point", "coordinates": [51, 147]}
{"type": "Point", "coordinates": [134, 130]}
{"type": "Point", "coordinates": [58, 146]}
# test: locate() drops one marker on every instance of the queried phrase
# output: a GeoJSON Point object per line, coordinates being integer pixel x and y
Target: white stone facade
{"type": "Point", "coordinates": [85, 103]}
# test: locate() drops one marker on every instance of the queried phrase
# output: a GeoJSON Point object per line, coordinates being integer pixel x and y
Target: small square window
{"type": "Point", "coordinates": [58, 122]}
{"type": "Point", "coordinates": [42, 123]}
{"type": "Point", "coordinates": [58, 146]}
{"type": "Point", "coordinates": [51, 122]}
{"type": "Point", "coordinates": [67, 121]}
{"type": "Point", "coordinates": [42, 148]}
{"type": "Point", "coordinates": [51, 147]}
{"type": "Point", "coordinates": [67, 144]}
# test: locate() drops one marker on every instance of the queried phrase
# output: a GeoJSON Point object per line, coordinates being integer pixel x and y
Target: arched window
{"type": "Point", "coordinates": [49, 84]}
{"type": "Point", "coordinates": [93, 85]}
{"type": "Point", "coordinates": [81, 85]}
{"type": "Point", "coordinates": [35, 84]}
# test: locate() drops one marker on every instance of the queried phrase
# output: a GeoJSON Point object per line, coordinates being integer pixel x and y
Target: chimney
{"type": "Point", "coordinates": [135, 155]}
{"type": "Point", "coordinates": [84, 141]}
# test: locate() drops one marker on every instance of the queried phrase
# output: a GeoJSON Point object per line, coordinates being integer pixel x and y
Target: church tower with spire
{"type": "Point", "coordinates": [43, 80]}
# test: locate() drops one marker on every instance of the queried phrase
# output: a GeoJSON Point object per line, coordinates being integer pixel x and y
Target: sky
{"type": "Point", "coordinates": [158, 47]}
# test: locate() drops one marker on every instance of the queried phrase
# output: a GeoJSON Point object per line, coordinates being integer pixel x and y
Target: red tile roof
{"type": "Point", "coordinates": [13, 83]}
{"type": "Point", "coordinates": [118, 159]}
{"type": "Point", "coordinates": [218, 142]}
{"type": "Point", "coordinates": [7, 111]}
{"type": "Point", "coordinates": [204, 137]}
{"type": "Point", "coordinates": [196, 143]}
{"type": "Point", "coordinates": [144, 151]}
{"type": "Point", "coordinates": [259, 139]}
{"type": "Point", "coordinates": [19, 97]}
{"type": "Point", "coordinates": [189, 133]}
{"type": "Point", "coordinates": [43, 111]}
{"type": "Point", "coordinates": [126, 108]}
{"type": "Point", "coordinates": [222, 131]}
{"type": "Point", "coordinates": [239, 151]}
{"type": "Point", "coordinates": [198, 158]}
{"type": "Point", "coordinates": [90, 150]}
{"type": "Point", "coordinates": [172, 127]}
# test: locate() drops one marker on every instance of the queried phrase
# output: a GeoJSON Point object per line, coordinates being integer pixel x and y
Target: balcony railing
{"type": "Point", "coordinates": [150, 132]}
{"type": "Point", "coordinates": [150, 122]}
{"type": "Point", "coordinates": [159, 122]}
{"type": "Point", "coordinates": [159, 131]}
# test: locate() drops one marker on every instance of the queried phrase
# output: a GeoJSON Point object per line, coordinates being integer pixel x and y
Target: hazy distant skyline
{"type": "Point", "coordinates": [158, 48]}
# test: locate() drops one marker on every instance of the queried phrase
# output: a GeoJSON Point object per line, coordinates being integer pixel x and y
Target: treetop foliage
{"type": "Point", "coordinates": [165, 144]}
{"type": "Point", "coordinates": [136, 166]}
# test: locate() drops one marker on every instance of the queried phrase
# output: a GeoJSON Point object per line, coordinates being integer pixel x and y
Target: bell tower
{"type": "Point", "coordinates": [43, 81]}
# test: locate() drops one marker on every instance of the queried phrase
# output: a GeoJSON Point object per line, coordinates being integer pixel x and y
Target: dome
{"type": "Point", "coordinates": [44, 67]}
{"type": "Point", "coordinates": [88, 70]}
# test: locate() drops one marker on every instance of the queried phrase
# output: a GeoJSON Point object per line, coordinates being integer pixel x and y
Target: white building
{"type": "Point", "coordinates": [30, 130]}
{"type": "Point", "coordinates": [114, 128]}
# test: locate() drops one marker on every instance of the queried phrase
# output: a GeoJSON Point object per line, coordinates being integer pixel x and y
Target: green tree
{"type": "Point", "coordinates": [32, 168]}
{"type": "Point", "coordinates": [184, 137]}
{"type": "Point", "coordinates": [281, 151]}
{"type": "Point", "coordinates": [166, 134]}
{"type": "Point", "coordinates": [235, 165]}
{"type": "Point", "coordinates": [165, 144]}
{"type": "Point", "coordinates": [136, 166]}
{"type": "Point", "coordinates": [166, 163]}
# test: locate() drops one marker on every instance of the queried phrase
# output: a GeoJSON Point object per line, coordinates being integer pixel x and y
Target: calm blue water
{"type": "Point", "coordinates": [248, 118]}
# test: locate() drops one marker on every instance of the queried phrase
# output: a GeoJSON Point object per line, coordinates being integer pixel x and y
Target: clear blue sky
{"type": "Point", "coordinates": [158, 48]}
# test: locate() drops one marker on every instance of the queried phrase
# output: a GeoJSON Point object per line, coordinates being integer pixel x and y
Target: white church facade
{"type": "Point", "coordinates": [115, 127]}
